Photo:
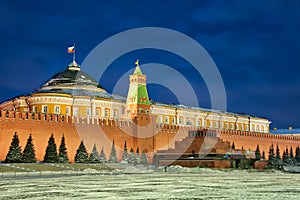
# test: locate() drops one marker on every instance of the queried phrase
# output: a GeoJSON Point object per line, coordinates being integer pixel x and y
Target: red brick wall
{"type": "Point", "coordinates": [264, 140]}
{"type": "Point", "coordinates": [150, 138]}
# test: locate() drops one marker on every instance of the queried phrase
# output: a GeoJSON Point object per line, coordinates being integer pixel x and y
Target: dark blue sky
{"type": "Point", "coordinates": [255, 44]}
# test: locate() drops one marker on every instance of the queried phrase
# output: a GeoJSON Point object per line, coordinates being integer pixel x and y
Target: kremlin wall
{"type": "Point", "coordinates": [73, 104]}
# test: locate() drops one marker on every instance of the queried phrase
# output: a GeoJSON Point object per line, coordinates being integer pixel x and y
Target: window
{"type": "Point", "coordinates": [247, 127]}
{"type": "Point", "coordinates": [180, 120]}
{"type": "Point", "coordinates": [75, 111]}
{"type": "Point", "coordinates": [173, 120]}
{"type": "Point", "coordinates": [221, 125]}
{"type": "Point", "coordinates": [106, 113]}
{"type": "Point", "coordinates": [159, 119]}
{"type": "Point", "coordinates": [216, 124]}
{"type": "Point", "coordinates": [231, 126]}
{"type": "Point", "coordinates": [34, 109]}
{"type": "Point", "coordinates": [88, 111]}
{"type": "Point", "coordinates": [68, 110]}
{"type": "Point", "coordinates": [236, 127]}
{"type": "Point", "coordinates": [56, 109]}
{"type": "Point", "coordinates": [262, 129]}
{"type": "Point", "coordinates": [115, 114]}
{"type": "Point", "coordinates": [97, 112]}
{"type": "Point", "coordinates": [167, 120]}
{"type": "Point", "coordinates": [210, 124]}
{"type": "Point", "coordinates": [226, 126]}
{"type": "Point", "coordinates": [199, 122]}
{"type": "Point", "coordinates": [44, 109]}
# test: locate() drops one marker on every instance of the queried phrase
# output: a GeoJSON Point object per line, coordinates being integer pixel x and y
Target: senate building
{"type": "Point", "coordinates": [75, 93]}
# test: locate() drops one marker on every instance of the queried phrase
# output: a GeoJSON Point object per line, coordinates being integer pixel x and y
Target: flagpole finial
{"type": "Point", "coordinates": [137, 62]}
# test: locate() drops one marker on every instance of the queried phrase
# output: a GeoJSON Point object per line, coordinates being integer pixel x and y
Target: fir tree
{"type": "Point", "coordinates": [271, 158]}
{"type": "Point", "coordinates": [263, 155]}
{"type": "Point", "coordinates": [62, 152]}
{"type": "Point", "coordinates": [125, 153]}
{"type": "Point", "coordinates": [131, 158]}
{"type": "Point", "coordinates": [233, 146]}
{"type": "Point", "coordinates": [94, 155]}
{"type": "Point", "coordinates": [113, 154]}
{"type": "Point", "coordinates": [292, 155]}
{"type": "Point", "coordinates": [271, 153]}
{"type": "Point", "coordinates": [144, 160]}
{"type": "Point", "coordinates": [102, 156]}
{"type": "Point", "coordinates": [28, 155]}
{"type": "Point", "coordinates": [137, 156]}
{"type": "Point", "coordinates": [14, 154]}
{"type": "Point", "coordinates": [51, 151]}
{"type": "Point", "coordinates": [257, 153]}
{"type": "Point", "coordinates": [277, 153]}
{"type": "Point", "coordinates": [277, 159]}
{"type": "Point", "coordinates": [297, 156]}
{"type": "Point", "coordinates": [286, 158]}
{"type": "Point", "coordinates": [82, 155]}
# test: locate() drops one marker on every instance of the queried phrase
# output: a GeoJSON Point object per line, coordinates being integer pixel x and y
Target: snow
{"type": "Point", "coordinates": [177, 182]}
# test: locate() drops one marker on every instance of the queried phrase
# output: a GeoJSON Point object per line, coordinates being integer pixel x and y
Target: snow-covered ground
{"type": "Point", "coordinates": [176, 183]}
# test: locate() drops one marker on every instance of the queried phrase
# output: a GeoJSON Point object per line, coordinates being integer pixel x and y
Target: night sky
{"type": "Point", "coordinates": [255, 45]}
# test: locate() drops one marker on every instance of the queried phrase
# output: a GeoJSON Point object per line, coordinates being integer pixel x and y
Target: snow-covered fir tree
{"type": "Point", "coordinates": [292, 158]}
{"type": "Point", "coordinates": [14, 154]}
{"type": "Point", "coordinates": [144, 159]}
{"type": "Point", "coordinates": [113, 154]}
{"type": "Point", "coordinates": [137, 156]}
{"type": "Point", "coordinates": [62, 152]}
{"type": "Point", "coordinates": [257, 153]}
{"type": "Point", "coordinates": [271, 158]}
{"type": "Point", "coordinates": [51, 151]}
{"type": "Point", "coordinates": [263, 155]}
{"type": "Point", "coordinates": [277, 153]}
{"type": "Point", "coordinates": [297, 155]}
{"type": "Point", "coordinates": [28, 155]}
{"type": "Point", "coordinates": [125, 153]}
{"type": "Point", "coordinates": [131, 158]}
{"type": "Point", "coordinates": [94, 155]}
{"type": "Point", "coordinates": [82, 155]}
{"type": "Point", "coordinates": [102, 156]}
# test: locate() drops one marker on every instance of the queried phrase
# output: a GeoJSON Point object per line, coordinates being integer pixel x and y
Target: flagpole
{"type": "Point", "coordinates": [74, 53]}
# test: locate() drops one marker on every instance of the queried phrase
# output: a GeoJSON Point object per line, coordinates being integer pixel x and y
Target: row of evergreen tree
{"type": "Point", "coordinates": [276, 161]}
{"type": "Point", "coordinates": [15, 154]}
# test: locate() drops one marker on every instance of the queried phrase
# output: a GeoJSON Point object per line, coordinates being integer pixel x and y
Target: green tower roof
{"type": "Point", "coordinates": [138, 70]}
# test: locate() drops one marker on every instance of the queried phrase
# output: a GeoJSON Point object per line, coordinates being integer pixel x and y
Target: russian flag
{"type": "Point", "coordinates": [71, 49]}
